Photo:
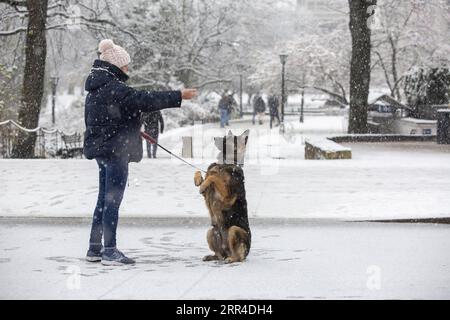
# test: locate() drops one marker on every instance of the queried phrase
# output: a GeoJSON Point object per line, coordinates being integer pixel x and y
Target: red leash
{"type": "Point", "coordinates": [148, 137]}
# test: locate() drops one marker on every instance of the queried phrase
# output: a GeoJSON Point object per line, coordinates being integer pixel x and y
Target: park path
{"type": "Point", "coordinates": [310, 260]}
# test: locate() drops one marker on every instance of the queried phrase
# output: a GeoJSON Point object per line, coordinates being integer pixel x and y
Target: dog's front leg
{"type": "Point", "coordinates": [198, 179]}
{"type": "Point", "coordinates": [205, 184]}
{"type": "Point", "coordinates": [222, 190]}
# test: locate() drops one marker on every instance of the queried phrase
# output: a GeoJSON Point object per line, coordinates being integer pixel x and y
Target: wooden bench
{"type": "Point", "coordinates": [325, 149]}
{"type": "Point", "coordinates": [73, 146]}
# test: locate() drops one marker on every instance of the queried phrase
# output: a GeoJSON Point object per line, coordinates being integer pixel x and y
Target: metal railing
{"type": "Point", "coordinates": [49, 142]}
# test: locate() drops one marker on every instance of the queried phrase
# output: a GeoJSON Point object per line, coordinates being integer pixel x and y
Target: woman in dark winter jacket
{"type": "Point", "coordinates": [153, 125]}
{"type": "Point", "coordinates": [113, 120]}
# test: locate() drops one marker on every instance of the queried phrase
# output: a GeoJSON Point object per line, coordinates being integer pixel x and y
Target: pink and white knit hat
{"type": "Point", "coordinates": [113, 53]}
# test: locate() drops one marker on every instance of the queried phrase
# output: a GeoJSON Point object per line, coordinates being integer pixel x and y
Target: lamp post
{"type": "Point", "coordinates": [54, 82]}
{"type": "Point", "coordinates": [241, 70]}
{"type": "Point", "coordinates": [301, 107]}
{"type": "Point", "coordinates": [303, 100]}
{"type": "Point", "coordinates": [283, 59]}
{"type": "Point", "coordinates": [240, 96]}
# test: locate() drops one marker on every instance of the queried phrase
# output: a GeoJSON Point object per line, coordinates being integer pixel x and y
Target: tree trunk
{"type": "Point", "coordinates": [33, 81]}
{"type": "Point", "coordinates": [396, 91]}
{"type": "Point", "coordinates": [360, 64]}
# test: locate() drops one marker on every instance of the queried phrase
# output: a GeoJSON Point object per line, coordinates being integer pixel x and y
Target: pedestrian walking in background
{"type": "Point", "coordinates": [274, 103]}
{"type": "Point", "coordinates": [254, 108]}
{"type": "Point", "coordinates": [225, 108]}
{"type": "Point", "coordinates": [259, 108]}
{"type": "Point", "coordinates": [153, 125]}
{"type": "Point", "coordinates": [232, 104]}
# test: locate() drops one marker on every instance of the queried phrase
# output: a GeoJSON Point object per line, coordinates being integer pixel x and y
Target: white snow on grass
{"type": "Point", "coordinates": [383, 181]}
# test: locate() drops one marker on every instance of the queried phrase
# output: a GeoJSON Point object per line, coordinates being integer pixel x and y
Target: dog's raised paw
{"type": "Point", "coordinates": [198, 179]}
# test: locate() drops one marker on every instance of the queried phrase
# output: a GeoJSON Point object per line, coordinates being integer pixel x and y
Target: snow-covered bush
{"type": "Point", "coordinates": [9, 95]}
{"type": "Point", "coordinates": [425, 87]}
{"type": "Point", "coordinates": [204, 110]}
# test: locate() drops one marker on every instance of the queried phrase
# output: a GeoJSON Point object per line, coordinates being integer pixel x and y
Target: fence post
{"type": "Point", "coordinates": [3, 140]}
{"type": "Point", "coordinates": [187, 151]}
{"type": "Point", "coordinates": [56, 143]}
{"type": "Point", "coordinates": [43, 143]}
{"type": "Point", "coordinates": [8, 142]}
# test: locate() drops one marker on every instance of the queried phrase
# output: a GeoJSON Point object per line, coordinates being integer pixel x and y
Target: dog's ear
{"type": "Point", "coordinates": [212, 165]}
{"type": "Point", "coordinates": [244, 136]}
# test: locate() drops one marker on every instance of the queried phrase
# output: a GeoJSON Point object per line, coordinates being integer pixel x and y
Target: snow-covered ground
{"type": "Point", "coordinates": [164, 221]}
{"type": "Point", "coordinates": [383, 181]}
{"type": "Point", "coordinates": [311, 260]}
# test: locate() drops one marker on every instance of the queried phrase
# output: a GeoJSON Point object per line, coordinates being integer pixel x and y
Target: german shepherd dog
{"type": "Point", "coordinates": [224, 192]}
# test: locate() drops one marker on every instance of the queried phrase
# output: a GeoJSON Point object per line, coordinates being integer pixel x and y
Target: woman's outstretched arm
{"type": "Point", "coordinates": [149, 101]}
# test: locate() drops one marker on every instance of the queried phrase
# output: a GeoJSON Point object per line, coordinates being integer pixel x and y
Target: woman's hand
{"type": "Point", "coordinates": [188, 94]}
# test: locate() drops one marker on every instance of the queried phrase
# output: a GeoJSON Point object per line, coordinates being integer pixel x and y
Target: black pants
{"type": "Point", "coordinates": [151, 149]}
{"type": "Point", "coordinates": [272, 117]}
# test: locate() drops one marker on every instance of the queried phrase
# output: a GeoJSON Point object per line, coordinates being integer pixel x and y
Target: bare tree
{"type": "Point", "coordinates": [182, 42]}
{"type": "Point", "coordinates": [41, 16]}
{"type": "Point", "coordinates": [406, 35]}
{"type": "Point", "coordinates": [317, 59]}
{"type": "Point", "coordinates": [33, 81]}
{"type": "Point", "coordinates": [360, 67]}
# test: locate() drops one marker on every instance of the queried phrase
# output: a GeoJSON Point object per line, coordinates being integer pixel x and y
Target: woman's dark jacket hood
{"type": "Point", "coordinates": [103, 72]}
{"type": "Point", "coordinates": [113, 113]}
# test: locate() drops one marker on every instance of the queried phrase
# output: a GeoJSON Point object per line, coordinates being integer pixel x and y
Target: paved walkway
{"type": "Point", "coordinates": [314, 260]}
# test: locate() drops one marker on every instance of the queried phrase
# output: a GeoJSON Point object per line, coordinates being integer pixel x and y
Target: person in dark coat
{"type": "Point", "coordinates": [226, 105]}
{"type": "Point", "coordinates": [232, 104]}
{"type": "Point", "coordinates": [273, 103]}
{"type": "Point", "coordinates": [153, 125]}
{"type": "Point", "coordinates": [113, 121]}
{"type": "Point", "coordinates": [259, 108]}
{"type": "Point", "coordinates": [224, 110]}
